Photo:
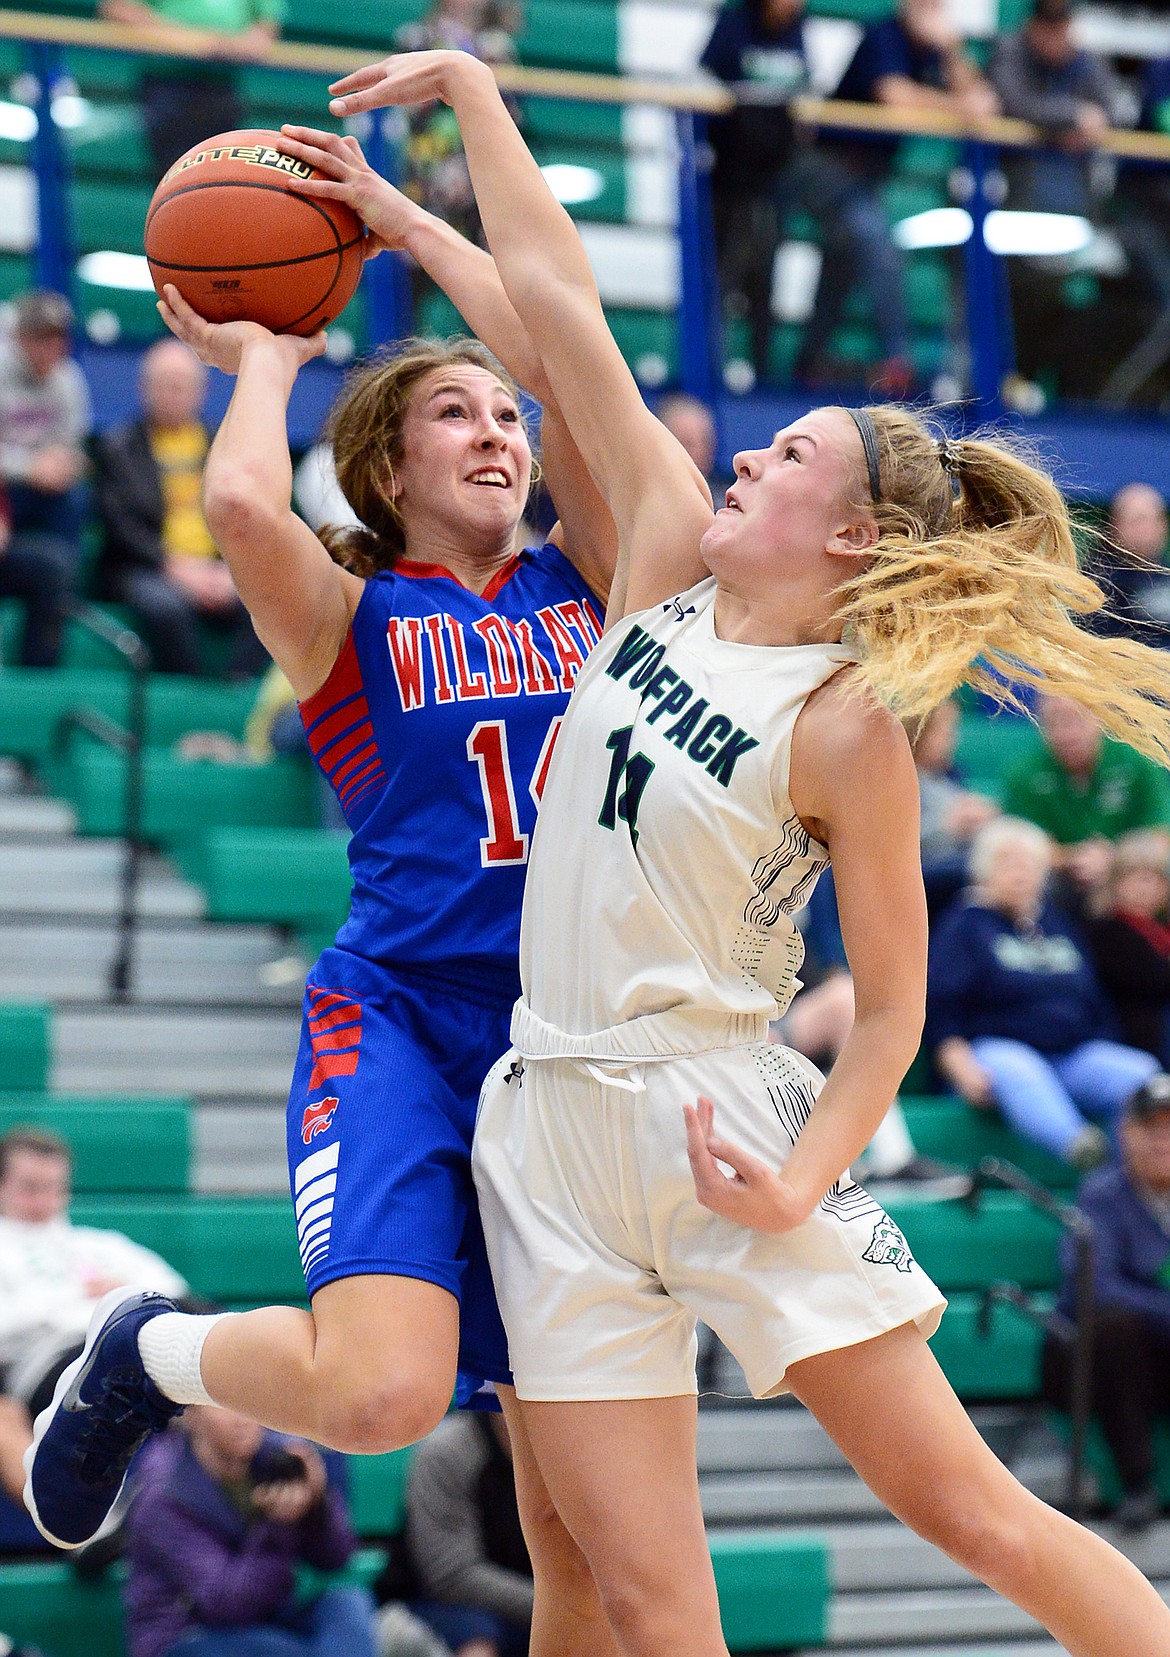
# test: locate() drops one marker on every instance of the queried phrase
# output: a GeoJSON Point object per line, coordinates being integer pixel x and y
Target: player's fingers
{"type": "Point", "coordinates": [749, 1168]}
{"type": "Point", "coordinates": [188, 318]}
{"type": "Point", "coordinates": [360, 78]}
{"type": "Point", "coordinates": [334, 166]}
{"type": "Point", "coordinates": [706, 1115]}
{"type": "Point", "coordinates": [704, 1170]}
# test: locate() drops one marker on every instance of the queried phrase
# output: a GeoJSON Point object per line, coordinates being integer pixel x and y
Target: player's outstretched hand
{"type": "Point", "coordinates": [221, 344]}
{"type": "Point", "coordinates": [406, 78]}
{"type": "Point", "coordinates": [385, 211]}
{"type": "Point", "coordinates": [753, 1194]}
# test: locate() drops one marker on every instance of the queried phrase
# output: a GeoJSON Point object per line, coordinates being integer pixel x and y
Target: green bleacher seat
{"type": "Point", "coordinates": [360, 23]}
{"type": "Point", "coordinates": [953, 1131]}
{"type": "Point", "coordinates": [990, 746]}
{"type": "Point", "coordinates": [33, 700]}
{"type": "Point", "coordinates": [115, 1148]}
{"type": "Point", "coordinates": [774, 1588]}
{"type": "Point", "coordinates": [570, 34]}
{"type": "Point", "coordinates": [182, 797]}
{"type": "Point", "coordinates": [377, 1492]}
{"type": "Point", "coordinates": [964, 1248]}
{"type": "Point", "coordinates": [560, 120]}
{"type": "Point", "coordinates": [25, 1034]}
{"type": "Point", "coordinates": [232, 1249]}
{"type": "Point", "coordinates": [291, 877]}
{"type": "Point", "coordinates": [48, 1604]}
{"type": "Point", "coordinates": [1004, 1363]}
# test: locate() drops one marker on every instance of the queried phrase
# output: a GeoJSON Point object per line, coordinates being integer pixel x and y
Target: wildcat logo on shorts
{"type": "Point", "coordinates": [889, 1247]}
{"type": "Point", "coordinates": [317, 1119]}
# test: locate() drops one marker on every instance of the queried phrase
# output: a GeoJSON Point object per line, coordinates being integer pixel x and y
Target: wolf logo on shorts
{"type": "Point", "coordinates": [318, 1118]}
{"type": "Point", "coordinates": [888, 1247]}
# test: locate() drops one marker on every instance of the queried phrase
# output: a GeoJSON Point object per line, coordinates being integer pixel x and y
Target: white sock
{"type": "Point", "coordinates": [171, 1346]}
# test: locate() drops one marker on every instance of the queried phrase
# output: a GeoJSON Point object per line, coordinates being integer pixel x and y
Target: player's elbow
{"type": "Point", "coordinates": [237, 513]}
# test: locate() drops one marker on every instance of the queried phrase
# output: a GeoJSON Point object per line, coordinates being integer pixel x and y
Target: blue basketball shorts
{"type": "Point", "coordinates": [380, 1120]}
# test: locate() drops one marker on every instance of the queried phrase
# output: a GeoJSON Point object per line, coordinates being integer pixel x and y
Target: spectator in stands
{"type": "Point", "coordinates": [438, 178]}
{"type": "Point", "coordinates": [1131, 941]}
{"type": "Point", "coordinates": [951, 813]}
{"type": "Point", "coordinates": [52, 1275]}
{"type": "Point", "coordinates": [765, 168]}
{"type": "Point", "coordinates": [1143, 195]}
{"type": "Point", "coordinates": [462, 1562]}
{"type": "Point", "coordinates": [1084, 789]}
{"type": "Point", "coordinates": [1132, 567]}
{"type": "Point", "coordinates": [44, 420]}
{"type": "Point", "coordinates": [1129, 1205]}
{"type": "Point", "coordinates": [223, 1516]}
{"type": "Point", "coordinates": [909, 62]}
{"type": "Point", "coordinates": [158, 555]}
{"type": "Point", "coordinates": [188, 99]}
{"type": "Point", "coordinates": [693, 424]}
{"type": "Point", "coordinates": [1015, 1014]}
{"type": "Point", "coordinates": [1041, 75]}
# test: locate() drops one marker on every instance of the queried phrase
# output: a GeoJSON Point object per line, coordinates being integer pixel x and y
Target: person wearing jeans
{"type": "Point", "coordinates": [223, 1515]}
{"type": "Point", "coordinates": [1015, 1014]}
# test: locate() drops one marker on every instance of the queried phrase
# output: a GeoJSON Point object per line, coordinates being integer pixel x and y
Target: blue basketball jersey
{"type": "Point", "coordinates": [435, 729]}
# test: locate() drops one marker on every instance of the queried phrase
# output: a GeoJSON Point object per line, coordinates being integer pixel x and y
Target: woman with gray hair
{"type": "Point", "coordinates": [1015, 1012]}
{"type": "Point", "coordinates": [1130, 938]}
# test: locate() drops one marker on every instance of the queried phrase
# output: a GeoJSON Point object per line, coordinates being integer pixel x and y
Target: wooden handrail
{"type": "Point", "coordinates": [703, 96]}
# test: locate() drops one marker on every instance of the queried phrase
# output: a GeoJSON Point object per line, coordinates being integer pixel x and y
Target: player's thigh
{"type": "Point", "coordinates": [889, 1408]}
{"type": "Point", "coordinates": [622, 1475]}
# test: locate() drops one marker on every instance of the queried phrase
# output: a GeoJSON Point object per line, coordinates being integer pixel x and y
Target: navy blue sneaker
{"type": "Point", "coordinates": [104, 1405]}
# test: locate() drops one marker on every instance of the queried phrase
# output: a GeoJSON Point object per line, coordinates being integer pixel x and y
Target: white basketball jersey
{"type": "Point", "coordinates": [668, 861]}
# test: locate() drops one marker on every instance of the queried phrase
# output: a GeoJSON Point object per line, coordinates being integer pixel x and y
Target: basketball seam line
{"type": "Point", "coordinates": [241, 184]}
{"type": "Point", "coordinates": [269, 264]}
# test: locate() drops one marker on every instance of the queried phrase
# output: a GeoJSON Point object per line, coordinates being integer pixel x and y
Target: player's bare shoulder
{"type": "Point", "coordinates": [848, 751]}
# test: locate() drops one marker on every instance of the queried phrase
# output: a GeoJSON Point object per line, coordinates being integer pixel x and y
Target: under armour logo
{"type": "Point", "coordinates": [515, 1072]}
{"type": "Point", "coordinates": [676, 605]}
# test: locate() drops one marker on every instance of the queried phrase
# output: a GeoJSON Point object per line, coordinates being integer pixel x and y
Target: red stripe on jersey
{"type": "Point", "coordinates": [338, 1064]}
{"type": "Point", "coordinates": [372, 773]}
{"type": "Point", "coordinates": [501, 579]}
{"type": "Point", "coordinates": [345, 679]}
{"type": "Point", "coordinates": [335, 725]}
{"type": "Point", "coordinates": [335, 1018]}
{"type": "Point", "coordinates": [346, 1040]}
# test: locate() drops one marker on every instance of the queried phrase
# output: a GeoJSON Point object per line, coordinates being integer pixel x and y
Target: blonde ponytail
{"type": "Point", "coordinates": [974, 580]}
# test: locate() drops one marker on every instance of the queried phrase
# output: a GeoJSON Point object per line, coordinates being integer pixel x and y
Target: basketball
{"type": "Point", "coordinates": [227, 227]}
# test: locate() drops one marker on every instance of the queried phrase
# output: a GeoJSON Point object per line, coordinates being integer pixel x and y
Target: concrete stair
{"type": "Point", "coordinates": [214, 1015]}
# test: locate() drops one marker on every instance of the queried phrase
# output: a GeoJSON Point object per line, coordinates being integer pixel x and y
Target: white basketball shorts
{"type": "Point", "coordinates": [603, 1258]}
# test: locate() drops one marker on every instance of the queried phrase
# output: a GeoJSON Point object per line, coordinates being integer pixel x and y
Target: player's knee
{"type": "Point", "coordinates": [995, 1544]}
{"type": "Point", "coordinates": [385, 1414]}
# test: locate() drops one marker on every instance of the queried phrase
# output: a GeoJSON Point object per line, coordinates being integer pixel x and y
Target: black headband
{"type": "Point", "coordinates": [863, 420]}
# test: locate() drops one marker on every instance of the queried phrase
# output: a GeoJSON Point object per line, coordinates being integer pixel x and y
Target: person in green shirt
{"type": "Point", "coordinates": [1085, 790]}
{"type": "Point", "coordinates": [186, 100]}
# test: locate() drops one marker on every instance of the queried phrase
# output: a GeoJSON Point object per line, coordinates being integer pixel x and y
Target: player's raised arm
{"type": "Point", "coordinates": [659, 501]}
{"type": "Point", "coordinates": [300, 601]}
{"type": "Point", "coordinates": [469, 278]}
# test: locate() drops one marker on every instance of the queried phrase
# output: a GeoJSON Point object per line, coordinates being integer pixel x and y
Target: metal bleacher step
{"type": "Point", "coordinates": [82, 878]}
{"type": "Point", "coordinates": [239, 1148]}
{"type": "Point", "coordinates": [32, 817]}
{"type": "Point", "coordinates": [229, 1054]}
{"type": "Point", "coordinates": [192, 964]}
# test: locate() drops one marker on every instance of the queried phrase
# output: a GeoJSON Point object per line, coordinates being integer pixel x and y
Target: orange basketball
{"type": "Point", "coordinates": [227, 228]}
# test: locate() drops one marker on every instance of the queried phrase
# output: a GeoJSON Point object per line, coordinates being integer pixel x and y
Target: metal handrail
{"type": "Point", "coordinates": [1077, 1331]}
{"type": "Point", "coordinates": [131, 741]}
{"type": "Point", "coordinates": [695, 95]}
